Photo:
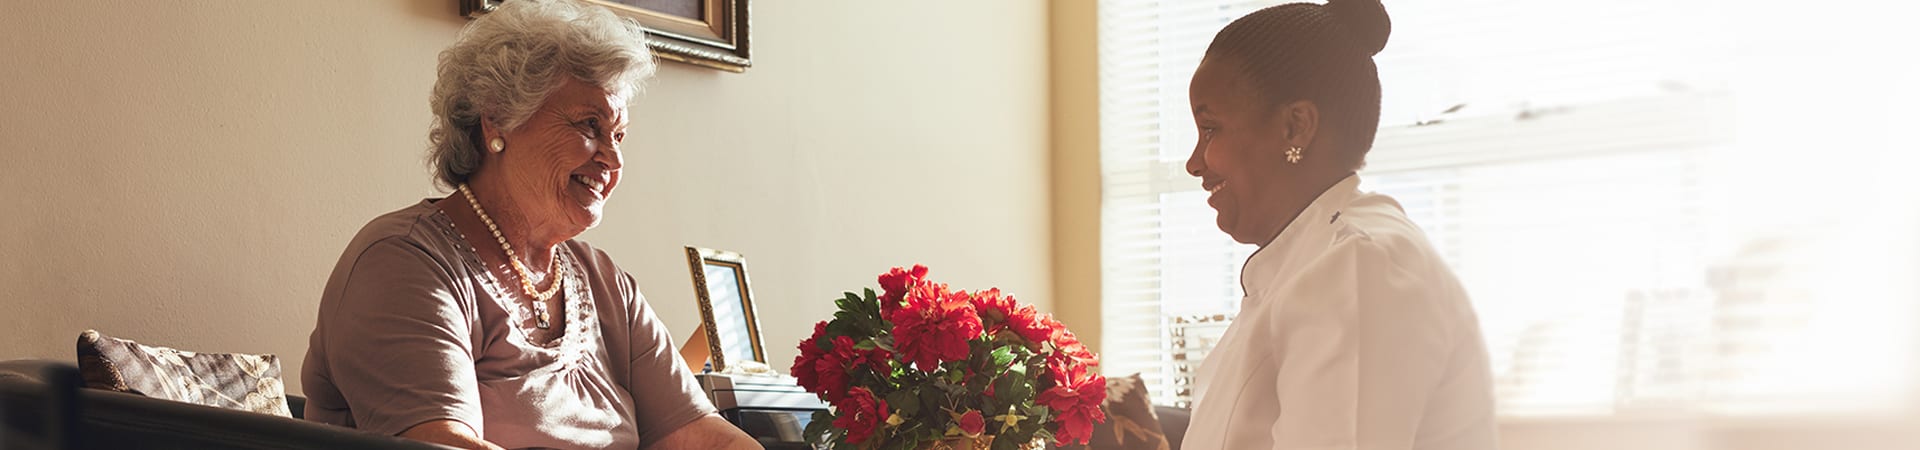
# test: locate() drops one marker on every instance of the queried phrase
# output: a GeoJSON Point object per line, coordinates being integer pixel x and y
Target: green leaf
{"type": "Point", "coordinates": [1041, 424]}
{"type": "Point", "coordinates": [904, 402]}
{"type": "Point", "coordinates": [1002, 356]}
{"type": "Point", "coordinates": [840, 327]}
{"type": "Point", "coordinates": [931, 399]}
{"type": "Point", "coordinates": [1035, 410]}
{"type": "Point", "coordinates": [980, 381]}
{"type": "Point", "coordinates": [1003, 389]}
{"type": "Point", "coordinates": [817, 428]}
{"type": "Point", "coordinates": [871, 296]}
{"type": "Point", "coordinates": [1040, 432]}
{"type": "Point", "coordinates": [864, 345]}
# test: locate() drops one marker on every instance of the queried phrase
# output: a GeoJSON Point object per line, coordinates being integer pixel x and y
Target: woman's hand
{"type": "Point", "coordinates": [449, 432]}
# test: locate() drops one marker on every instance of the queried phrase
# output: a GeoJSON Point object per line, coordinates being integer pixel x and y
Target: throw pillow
{"type": "Point", "coordinates": [1131, 424]}
{"type": "Point", "coordinates": [227, 380]}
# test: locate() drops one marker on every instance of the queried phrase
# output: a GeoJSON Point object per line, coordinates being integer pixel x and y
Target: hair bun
{"type": "Point", "coordinates": [1366, 20]}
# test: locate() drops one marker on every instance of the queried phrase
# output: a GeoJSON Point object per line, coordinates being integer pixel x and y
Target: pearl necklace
{"type": "Point", "coordinates": [554, 267]}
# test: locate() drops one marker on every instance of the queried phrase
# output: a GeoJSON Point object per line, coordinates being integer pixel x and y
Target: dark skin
{"type": "Point", "coordinates": [1241, 156]}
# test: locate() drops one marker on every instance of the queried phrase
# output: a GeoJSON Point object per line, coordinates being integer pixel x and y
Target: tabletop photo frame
{"type": "Point", "coordinates": [727, 313]}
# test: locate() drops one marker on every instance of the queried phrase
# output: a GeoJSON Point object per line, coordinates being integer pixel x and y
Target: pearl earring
{"type": "Point", "coordinates": [499, 145]}
{"type": "Point", "coordinates": [1293, 155]}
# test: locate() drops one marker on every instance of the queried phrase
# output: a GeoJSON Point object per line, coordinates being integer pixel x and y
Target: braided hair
{"type": "Point", "coordinates": [1319, 53]}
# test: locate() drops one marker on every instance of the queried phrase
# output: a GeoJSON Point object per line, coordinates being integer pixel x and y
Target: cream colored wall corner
{"type": "Point", "coordinates": [1073, 43]}
{"type": "Point", "coordinates": [187, 175]}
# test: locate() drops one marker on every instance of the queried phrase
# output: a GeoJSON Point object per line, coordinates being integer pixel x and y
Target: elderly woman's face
{"type": "Point", "coordinates": [564, 161]}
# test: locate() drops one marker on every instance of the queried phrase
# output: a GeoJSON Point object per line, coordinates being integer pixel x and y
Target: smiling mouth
{"type": "Point", "coordinates": [1213, 187]}
{"type": "Point", "coordinates": [596, 186]}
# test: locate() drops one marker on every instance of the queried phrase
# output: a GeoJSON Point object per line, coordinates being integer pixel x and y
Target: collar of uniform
{"type": "Point", "coordinates": [1318, 216]}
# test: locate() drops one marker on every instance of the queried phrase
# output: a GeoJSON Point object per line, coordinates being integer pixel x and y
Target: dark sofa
{"type": "Point", "coordinates": [42, 407]}
{"type": "Point", "coordinates": [1173, 424]}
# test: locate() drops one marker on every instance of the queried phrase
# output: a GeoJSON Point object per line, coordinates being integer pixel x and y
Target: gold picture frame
{"type": "Point", "coordinates": [727, 312]}
{"type": "Point", "coordinates": [707, 33]}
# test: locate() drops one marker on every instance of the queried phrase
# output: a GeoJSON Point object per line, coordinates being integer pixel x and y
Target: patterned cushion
{"type": "Point", "coordinates": [1131, 424]}
{"type": "Point", "coordinates": [227, 380]}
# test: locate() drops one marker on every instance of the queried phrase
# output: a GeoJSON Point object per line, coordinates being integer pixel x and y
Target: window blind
{"type": "Point", "coordinates": [1576, 163]}
{"type": "Point", "coordinates": [1161, 257]}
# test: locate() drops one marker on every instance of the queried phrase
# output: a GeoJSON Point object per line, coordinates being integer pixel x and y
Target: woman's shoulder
{"type": "Point", "coordinates": [404, 251]}
{"type": "Point", "coordinates": [400, 222]}
{"type": "Point", "coordinates": [1367, 238]}
{"type": "Point", "coordinates": [1374, 255]}
{"type": "Point", "coordinates": [1385, 249]}
{"type": "Point", "coordinates": [1378, 222]}
{"type": "Point", "coordinates": [419, 227]}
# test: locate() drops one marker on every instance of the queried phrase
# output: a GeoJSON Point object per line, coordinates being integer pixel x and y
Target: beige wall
{"type": "Point", "coordinates": [1074, 84]}
{"type": "Point", "coordinates": [186, 175]}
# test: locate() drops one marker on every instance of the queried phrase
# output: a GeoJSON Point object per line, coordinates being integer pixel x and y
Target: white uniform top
{"type": "Point", "coordinates": [1353, 335]}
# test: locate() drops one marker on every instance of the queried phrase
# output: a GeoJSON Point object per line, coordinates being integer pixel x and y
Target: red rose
{"type": "Point", "coordinates": [1074, 387]}
{"type": "Point", "coordinates": [810, 352]}
{"type": "Point", "coordinates": [972, 424]}
{"type": "Point", "coordinates": [1076, 395]}
{"type": "Point", "coordinates": [994, 307]}
{"type": "Point", "coordinates": [934, 325]}
{"type": "Point", "coordinates": [845, 358]}
{"type": "Point", "coordinates": [833, 365]}
{"type": "Point", "coordinates": [895, 283]}
{"type": "Point", "coordinates": [1031, 325]}
{"type": "Point", "coordinates": [1076, 425]}
{"type": "Point", "coordinates": [875, 359]}
{"type": "Point", "coordinates": [831, 373]}
{"type": "Point", "coordinates": [860, 414]}
{"type": "Point", "coordinates": [1068, 346]}
{"type": "Point", "coordinates": [1053, 324]}
{"type": "Point", "coordinates": [828, 372]}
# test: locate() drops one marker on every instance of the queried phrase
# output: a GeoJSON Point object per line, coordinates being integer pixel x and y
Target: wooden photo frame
{"type": "Point", "coordinates": [727, 315]}
{"type": "Point", "coordinates": [707, 33]}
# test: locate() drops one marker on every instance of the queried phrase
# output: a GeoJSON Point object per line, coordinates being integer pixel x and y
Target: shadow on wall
{"type": "Point", "coordinates": [445, 10]}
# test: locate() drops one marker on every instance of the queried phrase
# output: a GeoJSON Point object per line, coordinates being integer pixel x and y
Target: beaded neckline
{"type": "Point", "coordinates": [576, 329]}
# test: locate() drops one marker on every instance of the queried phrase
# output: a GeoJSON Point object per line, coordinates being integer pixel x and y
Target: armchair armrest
{"type": "Point", "coordinates": [108, 419]}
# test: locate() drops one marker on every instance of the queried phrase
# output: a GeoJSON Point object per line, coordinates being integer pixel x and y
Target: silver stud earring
{"type": "Point", "coordinates": [1293, 155]}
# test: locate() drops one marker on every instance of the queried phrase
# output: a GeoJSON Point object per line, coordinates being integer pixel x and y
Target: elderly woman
{"type": "Point", "coordinates": [1353, 333]}
{"type": "Point", "coordinates": [477, 320]}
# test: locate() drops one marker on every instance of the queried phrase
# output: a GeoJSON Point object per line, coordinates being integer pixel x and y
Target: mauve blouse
{"type": "Point", "coordinates": [413, 328]}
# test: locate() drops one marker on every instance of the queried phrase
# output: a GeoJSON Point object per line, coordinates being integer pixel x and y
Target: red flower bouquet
{"type": "Point", "coordinates": [921, 363]}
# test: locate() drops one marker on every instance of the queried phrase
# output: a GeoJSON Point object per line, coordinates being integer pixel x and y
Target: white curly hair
{"type": "Point", "coordinates": [503, 65]}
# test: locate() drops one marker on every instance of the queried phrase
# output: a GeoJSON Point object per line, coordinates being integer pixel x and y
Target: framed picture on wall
{"type": "Point", "coordinates": [727, 315]}
{"type": "Point", "coordinates": [708, 33]}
